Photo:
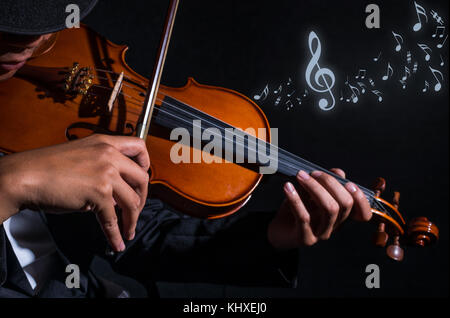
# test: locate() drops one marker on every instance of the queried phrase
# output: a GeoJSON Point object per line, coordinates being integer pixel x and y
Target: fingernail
{"type": "Point", "coordinates": [122, 247]}
{"type": "Point", "coordinates": [316, 174]}
{"type": "Point", "coordinates": [351, 187]}
{"type": "Point", "coordinates": [303, 175]}
{"type": "Point", "coordinates": [131, 236]}
{"type": "Point", "coordinates": [290, 187]}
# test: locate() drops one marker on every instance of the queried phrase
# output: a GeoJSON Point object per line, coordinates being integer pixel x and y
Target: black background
{"type": "Point", "coordinates": [244, 45]}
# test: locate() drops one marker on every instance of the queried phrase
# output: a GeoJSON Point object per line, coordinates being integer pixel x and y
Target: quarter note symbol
{"type": "Point", "coordinates": [372, 83]}
{"type": "Point", "coordinates": [442, 61]}
{"type": "Point", "coordinates": [398, 38]}
{"type": "Point", "coordinates": [263, 94]}
{"type": "Point", "coordinates": [363, 87]}
{"type": "Point", "coordinates": [403, 83]}
{"type": "Point", "coordinates": [426, 87]}
{"type": "Point", "coordinates": [427, 51]}
{"type": "Point", "coordinates": [408, 57]}
{"type": "Point", "coordinates": [342, 96]}
{"type": "Point", "coordinates": [375, 59]}
{"type": "Point", "coordinates": [378, 94]}
{"type": "Point", "coordinates": [439, 31]}
{"type": "Point", "coordinates": [420, 11]}
{"type": "Point", "coordinates": [389, 72]}
{"type": "Point", "coordinates": [440, 45]}
{"type": "Point", "coordinates": [278, 90]}
{"type": "Point", "coordinates": [407, 74]}
{"type": "Point", "coordinates": [305, 93]}
{"type": "Point", "coordinates": [290, 94]}
{"type": "Point", "coordinates": [299, 100]}
{"type": "Point", "coordinates": [289, 82]}
{"type": "Point", "coordinates": [361, 74]}
{"type": "Point", "coordinates": [438, 85]}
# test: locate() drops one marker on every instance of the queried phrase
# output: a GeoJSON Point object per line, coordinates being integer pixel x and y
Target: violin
{"type": "Point", "coordinates": [80, 84]}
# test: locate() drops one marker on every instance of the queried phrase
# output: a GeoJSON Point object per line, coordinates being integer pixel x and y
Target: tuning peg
{"type": "Point", "coordinates": [395, 251]}
{"type": "Point", "coordinates": [380, 237]}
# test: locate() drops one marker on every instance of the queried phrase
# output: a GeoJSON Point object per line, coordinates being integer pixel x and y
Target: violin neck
{"type": "Point", "coordinates": [249, 149]}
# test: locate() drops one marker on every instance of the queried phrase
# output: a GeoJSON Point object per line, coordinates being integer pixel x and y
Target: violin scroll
{"type": "Point", "coordinates": [422, 232]}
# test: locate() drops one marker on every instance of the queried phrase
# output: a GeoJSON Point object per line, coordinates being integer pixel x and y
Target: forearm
{"type": "Point", "coordinates": [9, 204]}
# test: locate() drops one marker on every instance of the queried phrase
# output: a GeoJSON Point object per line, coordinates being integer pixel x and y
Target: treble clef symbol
{"type": "Point", "coordinates": [323, 78]}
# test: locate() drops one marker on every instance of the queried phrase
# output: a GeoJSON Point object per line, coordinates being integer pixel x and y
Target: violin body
{"type": "Point", "coordinates": [36, 112]}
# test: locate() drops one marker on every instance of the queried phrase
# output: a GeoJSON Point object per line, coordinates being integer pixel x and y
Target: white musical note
{"type": "Point", "coordinates": [378, 94]}
{"type": "Point", "coordinates": [426, 49]}
{"type": "Point", "coordinates": [299, 100]}
{"type": "Point", "coordinates": [291, 93]}
{"type": "Point", "coordinates": [416, 65]}
{"type": "Point", "coordinates": [278, 90]}
{"type": "Point", "coordinates": [437, 17]}
{"type": "Point", "coordinates": [363, 87]}
{"type": "Point", "coordinates": [289, 104]}
{"type": "Point", "coordinates": [403, 83]}
{"type": "Point", "coordinates": [398, 38]}
{"type": "Point", "coordinates": [277, 101]}
{"type": "Point", "coordinates": [324, 78]}
{"type": "Point", "coordinates": [305, 93]}
{"type": "Point", "coordinates": [375, 59]}
{"type": "Point", "coordinates": [407, 74]}
{"type": "Point", "coordinates": [440, 45]}
{"type": "Point", "coordinates": [355, 93]}
{"type": "Point", "coordinates": [442, 61]}
{"type": "Point", "coordinates": [289, 82]}
{"type": "Point", "coordinates": [361, 74]}
{"type": "Point", "coordinates": [439, 31]}
{"type": "Point", "coordinates": [438, 85]}
{"type": "Point", "coordinates": [408, 57]}
{"type": "Point", "coordinates": [263, 94]}
{"type": "Point", "coordinates": [342, 96]}
{"type": "Point", "coordinates": [420, 11]}
{"type": "Point", "coordinates": [426, 87]}
{"type": "Point", "coordinates": [389, 70]}
{"type": "Point", "coordinates": [372, 83]}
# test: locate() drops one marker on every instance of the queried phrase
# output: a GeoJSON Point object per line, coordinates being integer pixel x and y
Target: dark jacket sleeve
{"type": "Point", "coordinates": [232, 250]}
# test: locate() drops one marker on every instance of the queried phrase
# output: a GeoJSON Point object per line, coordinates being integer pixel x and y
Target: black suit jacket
{"type": "Point", "coordinates": [168, 247]}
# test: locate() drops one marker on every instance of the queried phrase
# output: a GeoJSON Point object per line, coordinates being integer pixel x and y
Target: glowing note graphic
{"type": "Point", "coordinates": [372, 83]}
{"type": "Point", "coordinates": [408, 57]}
{"type": "Point", "coordinates": [440, 45]}
{"type": "Point", "coordinates": [375, 59]}
{"type": "Point", "coordinates": [436, 17]}
{"type": "Point", "coordinates": [278, 90]}
{"type": "Point", "coordinates": [439, 31]}
{"type": "Point", "coordinates": [363, 87]}
{"type": "Point", "coordinates": [420, 11]}
{"type": "Point", "coordinates": [438, 85]}
{"type": "Point", "coordinates": [442, 61]}
{"type": "Point", "coordinates": [407, 74]}
{"type": "Point", "coordinates": [289, 104]}
{"type": "Point", "coordinates": [291, 93]}
{"type": "Point", "coordinates": [378, 94]}
{"type": "Point", "coordinates": [426, 87]}
{"type": "Point", "coordinates": [398, 38]}
{"type": "Point", "coordinates": [342, 96]}
{"type": "Point", "coordinates": [427, 51]}
{"type": "Point", "coordinates": [263, 94]}
{"type": "Point", "coordinates": [355, 93]}
{"type": "Point", "coordinates": [403, 83]}
{"type": "Point", "coordinates": [289, 82]}
{"type": "Point", "coordinates": [299, 100]}
{"type": "Point", "coordinates": [416, 65]}
{"type": "Point", "coordinates": [277, 101]}
{"type": "Point", "coordinates": [361, 74]}
{"type": "Point", "coordinates": [389, 72]}
{"type": "Point", "coordinates": [323, 77]}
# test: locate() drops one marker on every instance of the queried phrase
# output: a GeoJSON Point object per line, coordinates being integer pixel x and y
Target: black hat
{"type": "Point", "coordinates": [35, 17]}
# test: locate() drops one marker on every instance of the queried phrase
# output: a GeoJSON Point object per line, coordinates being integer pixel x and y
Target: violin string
{"type": "Point", "coordinates": [288, 157]}
{"type": "Point", "coordinates": [294, 169]}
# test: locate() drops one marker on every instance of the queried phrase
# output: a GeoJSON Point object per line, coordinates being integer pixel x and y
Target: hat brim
{"type": "Point", "coordinates": [38, 16]}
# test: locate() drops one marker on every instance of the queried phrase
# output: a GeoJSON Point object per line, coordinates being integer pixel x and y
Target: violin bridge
{"type": "Point", "coordinates": [115, 92]}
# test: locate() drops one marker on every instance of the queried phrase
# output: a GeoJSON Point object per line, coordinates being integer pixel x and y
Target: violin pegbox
{"type": "Point", "coordinates": [419, 231]}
